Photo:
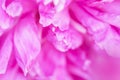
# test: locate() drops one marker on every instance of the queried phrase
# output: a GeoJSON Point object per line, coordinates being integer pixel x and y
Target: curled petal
{"type": "Point", "coordinates": [6, 22]}
{"type": "Point", "coordinates": [65, 40]}
{"type": "Point", "coordinates": [18, 7]}
{"type": "Point", "coordinates": [46, 14]}
{"type": "Point", "coordinates": [14, 9]}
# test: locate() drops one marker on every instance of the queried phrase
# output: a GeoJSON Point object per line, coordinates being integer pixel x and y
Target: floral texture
{"type": "Point", "coordinates": [59, 39]}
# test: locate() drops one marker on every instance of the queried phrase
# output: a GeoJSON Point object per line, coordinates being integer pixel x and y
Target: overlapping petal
{"type": "Point", "coordinates": [59, 40]}
{"type": "Point", "coordinates": [62, 41]}
{"type": "Point", "coordinates": [27, 42]}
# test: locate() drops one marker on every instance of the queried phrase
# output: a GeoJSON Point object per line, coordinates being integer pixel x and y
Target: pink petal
{"type": "Point", "coordinates": [18, 7]}
{"type": "Point", "coordinates": [27, 42]}
{"type": "Point", "coordinates": [63, 41]}
{"type": "Point", "coordinates": [94, 26]}
{"type": "Point", "coordinates": [46, 14]}
{"type": "Point", "coordinates": [5, 21]}
{"type": "Point", "coordinates": [5, 53]}
{"type": "Point", "coordinates": [14, 9]}
{"type": "Point", "coordinates": [111, 43]}
{"type": "Point", "coordinates": [62, 20]}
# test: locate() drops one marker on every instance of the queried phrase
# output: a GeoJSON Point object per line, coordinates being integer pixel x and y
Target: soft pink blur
{"type": "Point", "coordinates": [59, 39]}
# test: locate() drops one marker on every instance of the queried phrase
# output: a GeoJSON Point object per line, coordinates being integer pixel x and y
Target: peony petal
{"type": "Point", "coordinates": [111, 43]}
{"type": "Point", "coordinates": [103, 6]}
{"type": "Point", "coordinates": [6, 22]}
{"type": "Point", "coordinates": [46, 14]}
{"type": "Point", "coordinates": [27, 42]}
{"type": "Point", "coordinates": [98, 29]}
{"type": "Point", "coordinates": [5, 53]}
{"type": "Point", "coordinates": [14, 9]}
{"type": "Point", "coordinates": [61, 20]}
{"type": "Point", "coordinates": [65, 40]}
{"type": "Point", "coordinates": [94, 26]}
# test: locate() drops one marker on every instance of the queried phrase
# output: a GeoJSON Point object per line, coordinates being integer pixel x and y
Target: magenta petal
{"type": "Point", "coordinates": [27, 42]}
{"type": "Point", "coordinates": [5, 53]}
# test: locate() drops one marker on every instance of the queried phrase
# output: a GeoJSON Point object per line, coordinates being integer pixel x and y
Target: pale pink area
{"type": "Point", "coordinates": [104, 67]}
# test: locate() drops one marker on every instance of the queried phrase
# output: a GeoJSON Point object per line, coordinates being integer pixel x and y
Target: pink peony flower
{"type": "Point", "coordinates": [59, 40]}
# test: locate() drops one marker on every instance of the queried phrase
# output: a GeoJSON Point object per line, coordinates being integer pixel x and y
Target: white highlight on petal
{"type": "Point", "coordinates": [14, 9]}
{"type": "Point", "coordinates": [47, 2]}
{"type": "Point", "coordinates": [78, 27]}
{"type": "Point", "coordinates": [56, 2]}
{"type": "Point", "coordinates": [107, 0]}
